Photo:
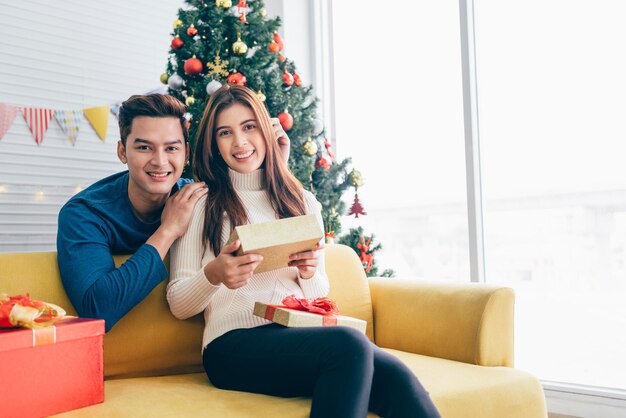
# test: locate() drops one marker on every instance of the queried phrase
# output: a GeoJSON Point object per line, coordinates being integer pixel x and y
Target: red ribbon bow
{"type": "Point", "coordinates": [322, 306]}
{"type": "Point", "coordinates": [32, 313]}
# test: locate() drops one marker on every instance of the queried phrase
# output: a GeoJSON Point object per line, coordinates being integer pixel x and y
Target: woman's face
{"type": "Point", "coordinates": [240, 139]}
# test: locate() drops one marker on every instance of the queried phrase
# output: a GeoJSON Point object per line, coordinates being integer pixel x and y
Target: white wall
{"type": "Point", "coordinates": [72, 55]}
{"type": "Point", "coordinates": [68, 55]}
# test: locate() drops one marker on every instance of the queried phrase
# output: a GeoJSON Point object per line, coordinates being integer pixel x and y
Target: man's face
{"type": "Point", "coordinates": [156, 154]}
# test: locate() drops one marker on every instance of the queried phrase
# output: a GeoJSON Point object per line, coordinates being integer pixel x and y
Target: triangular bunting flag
{"type": "Point", "coordinates": [69, 121]}
{"type": "Point", "coordinates": [38, 120]}
{"type": "Point", "coordinates": [99, 119]}
{"type": "Point", "coordinates": [115, 109]}
{"type": "Point", "coordinates": [7, 116]}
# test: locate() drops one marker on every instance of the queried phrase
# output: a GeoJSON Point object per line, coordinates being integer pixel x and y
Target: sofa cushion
{"type": "Point", "coordinates": [459, 390]}
{"type": "Point", "coordinates": [348, 285]}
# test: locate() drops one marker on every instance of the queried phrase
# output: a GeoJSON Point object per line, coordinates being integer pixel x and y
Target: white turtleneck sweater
{"type": "Point", "coordinates": [189, 292]}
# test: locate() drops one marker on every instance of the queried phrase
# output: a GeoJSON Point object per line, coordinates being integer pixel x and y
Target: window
{"type": "Point", "coordinates": [399, 116]}
{"type": "Point", "coordinates": [551, 106]}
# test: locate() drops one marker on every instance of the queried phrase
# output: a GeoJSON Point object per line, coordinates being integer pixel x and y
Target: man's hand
{"type": "Point", "coordinates": [306, 261]}
{"type": "Point", "coordinates": [177, 212]}
{"type": "Point", "coordinates": [231, 270]}
{"type": "Point", "coordinates": [284, 144]}
{"type": "Point", "coordinates": [176, 216]}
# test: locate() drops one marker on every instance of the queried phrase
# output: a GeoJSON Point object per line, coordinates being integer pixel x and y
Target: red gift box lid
{"type": "Point", "coordinates": [64, 330]}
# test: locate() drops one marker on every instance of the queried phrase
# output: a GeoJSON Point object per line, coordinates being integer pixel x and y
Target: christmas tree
{"type": "Point", "coordinates": [217, 42]}
{"type": "Point", "coordinates": [366, 249]}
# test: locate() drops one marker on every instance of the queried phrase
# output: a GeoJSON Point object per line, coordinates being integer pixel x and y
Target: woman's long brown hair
{"type": "Point", "coordinates": [284, 190]}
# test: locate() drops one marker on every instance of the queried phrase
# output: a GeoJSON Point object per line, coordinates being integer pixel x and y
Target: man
{"type": "Point", "coordinates": [141, 212]}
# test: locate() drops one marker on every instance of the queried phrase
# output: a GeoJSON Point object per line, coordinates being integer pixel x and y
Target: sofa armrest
{"type": "Point", "coordinates": [472, 323]}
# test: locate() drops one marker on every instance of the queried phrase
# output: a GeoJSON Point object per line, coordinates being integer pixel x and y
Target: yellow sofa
{"type": "Point", "coordinates": [458, 339]}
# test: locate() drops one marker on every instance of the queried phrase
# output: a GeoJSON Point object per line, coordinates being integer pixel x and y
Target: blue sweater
{"type": "Point", "coordinates": [93, 225]}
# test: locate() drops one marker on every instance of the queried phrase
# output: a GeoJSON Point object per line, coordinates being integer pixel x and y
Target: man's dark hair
{"type": "Point", "coordinates": [153, 105]}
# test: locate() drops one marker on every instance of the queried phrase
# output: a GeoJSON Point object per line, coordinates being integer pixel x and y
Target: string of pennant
{"type": "Point", "coordinates": [39, 119]}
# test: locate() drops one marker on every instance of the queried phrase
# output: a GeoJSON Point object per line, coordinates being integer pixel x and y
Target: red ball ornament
{"type": "Point", "coordinates": [282, 58]}
{"type": "Point", "coordinates": [287, 78]}
{"type": "Point", "coordinates": [322, 163]}
{"type": "Point", "coordinates": [237, 78]}
{"type": "Point", "coordinates": [192, 31]}
{"type": "Point", "coordinates": [279, 41]}
{"type": "Point", "coordinates": [286, 120]}
{"type": "Point", "coordinates": [193, 66]}
{"type": "Point", "coordinates": [296, 79]}
{"type": "Point", "coordinates": [177, 43]}
{"type": "Point", "coordinates": [273, 47]}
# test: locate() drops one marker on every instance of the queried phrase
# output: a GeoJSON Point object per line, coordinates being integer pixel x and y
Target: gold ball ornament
{"type": "Point", "coordinates": [177, 23]}
{"type": "Point", "coordinates": [240, 47]}
{"type": "Point", "coordinates": [190, 100]}
{"type": "Point", "coordinates": [356, 178]}
{"type": "Point", "coordinates": [263, 13]}
{"type": "Point", "coordinates": [309, 147]}
{"type": "Point", "coordinates": [226, 4]}
{"type": "Point", "coordinates": [261, 96]}
{"type": "Point", "coordinates": [164, 77]}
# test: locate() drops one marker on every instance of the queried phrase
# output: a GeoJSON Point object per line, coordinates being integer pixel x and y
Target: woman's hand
{"type": "Point", "coordinates": [282, 139]}
{"type": "Point", "coordinates": [231, 270]}
{"type": "Point", "coordinates": [306, 261]}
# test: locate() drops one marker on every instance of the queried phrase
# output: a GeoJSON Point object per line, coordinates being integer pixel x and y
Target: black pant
{"type": "Point", "coordinates": [341, 369]}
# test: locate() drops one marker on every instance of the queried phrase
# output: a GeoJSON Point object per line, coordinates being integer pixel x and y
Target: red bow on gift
{"type": "Point", "coordinates": [22, 311]}
{"type": "Point", "coordinates": [322, 306]}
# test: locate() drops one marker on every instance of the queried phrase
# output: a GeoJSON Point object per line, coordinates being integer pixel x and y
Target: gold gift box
{"type": "Point", "coordinates": [294, 318]}
{"type": "Point", "coordinates": [277, 240]}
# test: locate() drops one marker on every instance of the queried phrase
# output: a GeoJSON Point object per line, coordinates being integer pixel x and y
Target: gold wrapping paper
{"type": "Point", "coordinates": [295, 318]}
{"type": "Point", "coordinates": [277, 240]}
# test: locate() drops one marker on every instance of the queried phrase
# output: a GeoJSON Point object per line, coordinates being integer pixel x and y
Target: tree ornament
{"type": "Point", "coordinates": [242, 7]}
{"type": "Point", "coordinates": [177, 23]}
{"type": "Point", "coordinates": [366, 259]}
{"type": "Point", "coordinates": [286, 120]}
{"type": "Point", "coordinates": [261, 96]}
{"type": "Point", "coordinates": [273, 47]}
{"type": "Point", "coordinates": [217, 68]}
{"type": "Point", "coordinates": [193, 66]}
{"type": "Point", "coordinates": [177, 43]}
{"type": "Point", "coordinates": [309, 147]}
{"type": "Point", "coordinates": [213, 86]}
{"type": "Point", "coordinates": [287, 78]}
{"type": "Point", "coordinates": [281, 58]}
{"type": "Point", "coordinates": [237, 78]}
{"type": "Point", "coordinates": [175, 82]}
{"type": "Point", "coordinates": [279, 41]}
{"type": "Point", "coordinates": [296, 79]}
{"type": "Point", "coordinates": [164, 78]}
{"type": "Point", "coordinates": [328, 147]}
{"type": "Point", "coordinates": [240, 47]}
{"type": "Point", "coordinates": [356, 209]}
{"type": "Point", "coordinates": [322, 163]}
{"type": "Point", "coordinates": [190, 100]}
{"type": "Point", "coordinates": [226, 4]}
{"type": "Point", "coordinates": [318, 126]}
{"type": "Point", "coordinates": [192, 31]}
{"type": "Point", "coordinates": [356, 179]}
{"type": "Point", "coordinates": [262, 13]}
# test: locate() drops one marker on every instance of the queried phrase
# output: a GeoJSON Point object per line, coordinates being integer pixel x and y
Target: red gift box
{"type": "Point", "coordinates": [50, 370]}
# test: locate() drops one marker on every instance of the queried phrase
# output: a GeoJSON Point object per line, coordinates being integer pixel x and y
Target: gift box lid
{"type": "Point", "coordinates": [277, 240]}
{"type": "Point", "coordinates": [64, 330]}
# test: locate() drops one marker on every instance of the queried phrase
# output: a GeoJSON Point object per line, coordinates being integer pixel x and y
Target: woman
{"type": "Point", "coordinates": [344, 373]}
